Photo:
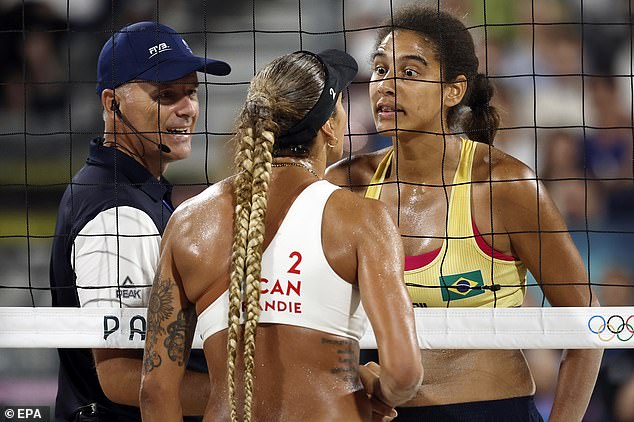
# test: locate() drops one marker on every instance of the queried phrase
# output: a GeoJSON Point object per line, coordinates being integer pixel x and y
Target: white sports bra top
{"type": "Point", "coordinates": [298, 286]}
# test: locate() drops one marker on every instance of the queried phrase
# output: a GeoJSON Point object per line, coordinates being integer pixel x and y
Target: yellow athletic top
{"type": "Point", "coordinates": [461, 277]}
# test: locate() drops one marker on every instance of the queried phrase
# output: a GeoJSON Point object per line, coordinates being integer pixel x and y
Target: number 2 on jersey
{"type": "Point", "coordinates": [298, 257]}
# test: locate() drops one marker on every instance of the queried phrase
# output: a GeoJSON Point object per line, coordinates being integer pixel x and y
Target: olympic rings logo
{"type": "Point", "coordinates": [614, 326]}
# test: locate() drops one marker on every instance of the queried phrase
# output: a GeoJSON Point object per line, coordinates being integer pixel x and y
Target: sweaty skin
{"type": "Point", "coordinates": [506, 201]}
{"type": "Point", "coordinates": [300, 374]}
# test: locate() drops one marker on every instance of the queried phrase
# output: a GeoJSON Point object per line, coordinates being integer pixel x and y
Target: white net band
{"type": "Point", "coordinates": [455, 328]}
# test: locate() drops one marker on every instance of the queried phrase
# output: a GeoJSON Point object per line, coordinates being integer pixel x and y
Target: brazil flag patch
{"type": "Point", "coordinates": [461, 286]}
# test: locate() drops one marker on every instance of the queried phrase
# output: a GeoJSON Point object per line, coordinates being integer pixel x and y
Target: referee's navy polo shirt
{"type": "Point", "coordinates": [110, 178]}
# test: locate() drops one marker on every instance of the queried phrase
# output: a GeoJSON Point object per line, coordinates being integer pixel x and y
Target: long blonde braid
{"type": "Point", "coordinates": [261, 178]}
{"type": "Point", "coordinates": [279, 96]}
{"type": "Point", "coordinates": [253, 159]}
{"type": "Point", "coordinates": [243, 192]}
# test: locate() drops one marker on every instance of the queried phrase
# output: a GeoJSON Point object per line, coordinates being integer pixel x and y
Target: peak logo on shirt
{"type": "Point", "coordinates": [461, 286]}
{"type": "Point", "coordinates": [129, 292]}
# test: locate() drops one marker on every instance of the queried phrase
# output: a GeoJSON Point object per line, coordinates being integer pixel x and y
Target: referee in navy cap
{"type": "Point", "coordinates": [112, 215]}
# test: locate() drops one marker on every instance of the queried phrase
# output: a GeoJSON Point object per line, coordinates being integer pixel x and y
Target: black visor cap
{"type": "Point", "coordinates": [341, 68]}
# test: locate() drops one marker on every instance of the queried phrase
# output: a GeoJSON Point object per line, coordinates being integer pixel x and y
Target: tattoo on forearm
{"type": "Point", "coordinates": [179, 336]}
{"type": "Point", "coordinates": [348, 361]}
{"type": "Point", "coordinates": [159, 309]}
{"type": "Point", "coordinates": [151, 360]}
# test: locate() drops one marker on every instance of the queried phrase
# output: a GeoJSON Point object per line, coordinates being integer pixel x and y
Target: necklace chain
{"type": "Point", "coordinates": [304, 166]}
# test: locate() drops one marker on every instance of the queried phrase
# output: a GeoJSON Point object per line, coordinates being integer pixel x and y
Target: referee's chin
{"type": "Point", "coordinates": [178, 150]}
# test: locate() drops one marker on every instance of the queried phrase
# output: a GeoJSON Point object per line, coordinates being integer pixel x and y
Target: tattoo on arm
{"type": "Point", "coordinates": [159, 309]}
{"type": "Point", "coordinates": [180, 334]}
{"type": "Point", "coordinates": [152, 360]}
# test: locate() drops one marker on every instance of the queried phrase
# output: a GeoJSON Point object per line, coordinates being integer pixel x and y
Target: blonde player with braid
{"type": "Point", "coordinates": [276, 257]}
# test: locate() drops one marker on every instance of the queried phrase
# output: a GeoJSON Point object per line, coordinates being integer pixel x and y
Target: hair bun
{"type": "Point", "coordinates": [259, 104]}
{"type": "Point", "coordinates": [481, 93]}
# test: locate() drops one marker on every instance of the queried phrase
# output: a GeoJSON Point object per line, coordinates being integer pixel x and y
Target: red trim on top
{"type": "Point", "coordinates": [418, 261]}
{"type": "Point", "coordinates": [486, 248]}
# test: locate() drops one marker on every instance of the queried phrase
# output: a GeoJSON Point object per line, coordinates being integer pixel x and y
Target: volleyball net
{"type": "Point", "coordinates": [437, 328]}
{"type": "Point", "coordinates": [563, 73]}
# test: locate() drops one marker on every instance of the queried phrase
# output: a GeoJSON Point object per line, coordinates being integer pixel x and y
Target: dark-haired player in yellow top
{"type": "Point", "coordinates": [459, 273]}
{"type": "Point", "coordinates": [472, 220]}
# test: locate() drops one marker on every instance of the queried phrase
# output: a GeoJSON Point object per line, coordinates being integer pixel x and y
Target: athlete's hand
{"type": "Point", "coordinates": [369, 374]}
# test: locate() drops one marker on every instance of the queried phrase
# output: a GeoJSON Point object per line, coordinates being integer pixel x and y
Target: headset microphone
{"type": "Point", "coordinates": [114, 106]}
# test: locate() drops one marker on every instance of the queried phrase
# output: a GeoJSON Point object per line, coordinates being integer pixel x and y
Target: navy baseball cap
{"type": "Point", "coordinates": [150, 51]}
{"type": "Point", "coordinates": [341, 68]}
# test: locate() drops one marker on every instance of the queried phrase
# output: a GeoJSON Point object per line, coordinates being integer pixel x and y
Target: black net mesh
{"type": "Point", "coordinates": [563, 72]}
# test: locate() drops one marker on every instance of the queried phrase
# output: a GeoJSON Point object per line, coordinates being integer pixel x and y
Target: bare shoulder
{"type": "Point", "coordinates": [364, 228]}
{"type": "Point", "coordinates": [510, 177]}
{"type": "Point", "coordinates": [355, 171]}
{"type": "Point", "coordinates": [213, 196]}
{"type": "Point", "coordinates": [518, 195]}
{"type": "Point", "coordinates": [360, 215]}
{"type": "Point", "coordinates": [205, 211]}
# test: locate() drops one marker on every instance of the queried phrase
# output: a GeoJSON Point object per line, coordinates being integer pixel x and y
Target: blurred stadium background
{"type": "Point", "coordinates": [563, 71]}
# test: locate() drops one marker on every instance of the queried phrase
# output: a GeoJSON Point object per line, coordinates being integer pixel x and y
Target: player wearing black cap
{"type": "Point", "coordinates": [113, 214]}
{"type": "Point", "coordinates": [289, 260]}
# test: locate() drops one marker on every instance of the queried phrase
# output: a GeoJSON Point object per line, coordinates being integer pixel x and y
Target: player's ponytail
{"type": "Point", "coordinates": [279, 96]}
{"type": "Point", "coordinates": [243, 193]}
{"type": "Point", "coordinates": [481, 121]}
